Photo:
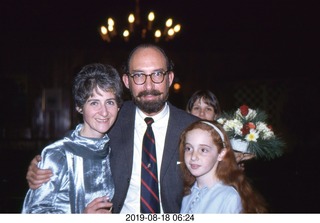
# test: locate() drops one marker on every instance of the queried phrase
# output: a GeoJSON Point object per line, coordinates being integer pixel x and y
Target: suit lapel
{"type": "Point", "coordinates": [121, 139]}
{"type": "Point", "coordinates": [171, 153]}
{"type": "Point", "coordinates": [127, 130]}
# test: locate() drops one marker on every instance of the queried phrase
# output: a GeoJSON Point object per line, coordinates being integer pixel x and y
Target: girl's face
{"type": "Point", "coordinates": [99, 113]}
{"type": "Point", "coordinates": [203, 110]}
{"type": "Point", "coordinates": [201, 155]}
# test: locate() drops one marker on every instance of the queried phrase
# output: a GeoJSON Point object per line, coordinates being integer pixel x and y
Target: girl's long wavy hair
{"type": "Point", "coordinates": [227, 170]}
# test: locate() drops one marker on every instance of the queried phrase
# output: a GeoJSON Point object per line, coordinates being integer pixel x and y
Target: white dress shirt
{"type": "Point", "coordinates": [159, 127]}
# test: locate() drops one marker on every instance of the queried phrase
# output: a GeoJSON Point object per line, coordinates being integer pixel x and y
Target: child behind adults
{"type": "Point", "coordinates": [80, 161]}
{"type": "Point", "coordinates": [204, 104]}
{"type": "Point", "coordinates": [213, 183]}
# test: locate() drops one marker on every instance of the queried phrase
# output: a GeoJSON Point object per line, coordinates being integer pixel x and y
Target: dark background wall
{"type": "Point", "coordinates": [263, 53]}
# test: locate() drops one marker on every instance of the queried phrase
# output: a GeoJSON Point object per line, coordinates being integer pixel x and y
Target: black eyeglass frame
{"type": "Point", "coordinates": [151, 75]}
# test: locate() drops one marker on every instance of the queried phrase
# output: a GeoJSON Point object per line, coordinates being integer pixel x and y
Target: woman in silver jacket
{"type": "Point", "coordinates": [80, 161]}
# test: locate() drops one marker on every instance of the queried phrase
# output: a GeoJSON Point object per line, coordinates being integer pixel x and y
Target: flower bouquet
{"type": "Point", "coordinates": [249, 133]}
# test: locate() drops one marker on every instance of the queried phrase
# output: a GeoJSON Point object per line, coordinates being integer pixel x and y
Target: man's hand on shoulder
{"type": "Point", "coordinates": [35, 176]}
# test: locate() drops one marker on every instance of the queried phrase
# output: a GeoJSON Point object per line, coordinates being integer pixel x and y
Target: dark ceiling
{"type": "Point", "coordinates": [258, 25]}
{"type": "Point", "coordinates": [285, 29]}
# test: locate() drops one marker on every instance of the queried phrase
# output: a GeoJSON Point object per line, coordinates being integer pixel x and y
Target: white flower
{"type": "Point", "coordinates": [233, 125]}
{"type": "Point", "coordinates": [222, 120]}
{"type": "Point", "coordinates": [252, 136]}
{"type": "Point", "coordinates": [261, 126]}
{"type": "Point", "coordinates": [251, 114]}
{"type": "Point", "coordinates": [266, 132]}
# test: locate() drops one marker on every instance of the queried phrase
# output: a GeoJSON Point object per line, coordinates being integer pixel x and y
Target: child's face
{"type": "Point", "coordinates": [201, 155]}
{"type": "Point", "coordinates": [203, 110]}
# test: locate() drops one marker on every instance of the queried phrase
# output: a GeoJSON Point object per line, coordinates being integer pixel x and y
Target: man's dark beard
{"type": "Point", "coordinates": [150, 106]}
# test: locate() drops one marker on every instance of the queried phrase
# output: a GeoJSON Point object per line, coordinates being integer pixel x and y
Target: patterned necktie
{"type": "Point", "coordinates": [149, 200]}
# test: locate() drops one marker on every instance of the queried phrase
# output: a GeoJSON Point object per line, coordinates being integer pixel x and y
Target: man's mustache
{"type": "Point", "coordinates": [146, 93]}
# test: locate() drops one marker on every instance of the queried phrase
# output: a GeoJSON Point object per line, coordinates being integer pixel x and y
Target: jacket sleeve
{"type": "Point", "coordinates": [53, 196]}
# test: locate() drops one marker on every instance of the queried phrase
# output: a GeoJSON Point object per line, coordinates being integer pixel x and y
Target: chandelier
{"type": "Point", "coordinates": [135, 29]}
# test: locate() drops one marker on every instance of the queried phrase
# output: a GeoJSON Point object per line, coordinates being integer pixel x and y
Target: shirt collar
{"type": "Point", "coordinates": [156, 117]}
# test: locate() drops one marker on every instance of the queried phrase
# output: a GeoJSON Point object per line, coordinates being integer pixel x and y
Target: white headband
{"type": "Point", "coordinates": [215, 128]}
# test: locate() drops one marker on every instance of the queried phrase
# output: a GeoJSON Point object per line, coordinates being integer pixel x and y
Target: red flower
{"type": "Point", "coordinates": [244, 109]}
{"type": "Point", "coordinates": [245, 129]}
{"type": "Point", "coordinates": [251, 125]}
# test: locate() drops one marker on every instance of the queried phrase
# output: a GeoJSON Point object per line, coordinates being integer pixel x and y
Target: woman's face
{"type": "Point", "coordinates": [99, 113]}
{"type": "Point", "coordinates": [203, 110]}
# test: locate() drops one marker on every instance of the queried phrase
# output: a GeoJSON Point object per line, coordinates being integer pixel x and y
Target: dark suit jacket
{"type": "Point", "coordinates": [121, 142]}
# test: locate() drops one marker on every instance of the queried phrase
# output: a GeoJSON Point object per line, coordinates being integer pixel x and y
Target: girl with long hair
{"type": "Point", "coordinates": [213, 182]}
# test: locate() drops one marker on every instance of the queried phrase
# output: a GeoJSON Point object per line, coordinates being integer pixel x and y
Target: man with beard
{"type": "Point", "coordinates": [148, 74]}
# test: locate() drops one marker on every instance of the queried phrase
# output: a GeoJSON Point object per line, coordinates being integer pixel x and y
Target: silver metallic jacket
{"type": "Point", "coordinates": [81, 173]}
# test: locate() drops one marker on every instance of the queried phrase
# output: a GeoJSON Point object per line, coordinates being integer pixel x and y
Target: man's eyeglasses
{"type": "Point", "coordinates": [140, 78]}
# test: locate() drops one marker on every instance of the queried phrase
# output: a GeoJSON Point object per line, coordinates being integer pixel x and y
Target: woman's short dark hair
{"type": "Point", "coordinates": [94, 75]}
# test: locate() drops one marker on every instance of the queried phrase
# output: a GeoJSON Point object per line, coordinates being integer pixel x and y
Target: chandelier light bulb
{"type": "Point", "coordinates": [170, 32]}
{"type": "Point", "coordinates": [104, 34]}
{"type": "Point", "coordinates": [126, 33]}
{"type": "Point", "coordinates": [169, 22]}
{"type": "Point", "coordinates": [110, 22]}
{"type": "Point", "coordinates": [131, 21]}
{"type": "Point", "coordinates": [177, 28]}
{"type": "Point", "coordinates": [150, 20]}
{"type": "Point", "coordinates": [110, 28]}
{"type": "Point", "coordinates": [131, 18]}
{"type": "Point", "coordinates": [103, 30]}
{"type": "Point", "coordinates": [151, 16]}
{"type": "Point", "coordinates": [157, 33]}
